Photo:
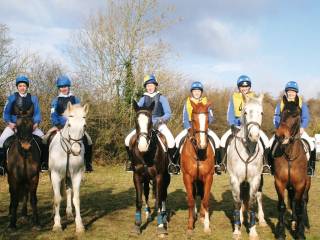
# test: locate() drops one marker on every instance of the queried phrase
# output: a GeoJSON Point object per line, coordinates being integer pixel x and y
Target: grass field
{"type": "Point", "coordinates": [107, 207]}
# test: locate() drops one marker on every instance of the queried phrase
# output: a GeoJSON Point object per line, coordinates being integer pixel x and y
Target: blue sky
{"type": "Point", "coordinates": [217, 40]}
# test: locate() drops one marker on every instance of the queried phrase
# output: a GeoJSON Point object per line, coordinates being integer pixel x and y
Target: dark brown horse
{"type": "Point", "coordinates": [23, 166]}
{"type": "Point", "coordinates": [197, 165]}
{"type": "Point", "coordinates": [290, 165]}
{"type": "Point", "coordinates": [150, 163]}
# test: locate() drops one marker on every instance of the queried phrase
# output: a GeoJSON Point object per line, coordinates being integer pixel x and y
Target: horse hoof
{"type": "Point", "coordinates": [36, 228]}
{"type": "Point", "coordinates": [161, 231]}
{"type": "Point", "coordinates": [263, 223]}
{"type": "Point", "coordinates": [57, 228]}
{"type": "Point", "coordinates": [254, 237]}
{"type": "Point", "coordinates": [293, 225]}
{"type": "Point", "coordinates": [201, 220]}
{"type": "Point", "coordinates": [23, 220]}
{"type": "Point", "coordinates": [80, 229]}
{"type": "Point", "coordinates": [69, 216]}
{"type": "Point", "coordinates": [189, 232]}
{"type": "Point", "coordinates": [136, 230]}
{"type": "Point", "coordinates": [236, 236]}
{"type": "Point", "coordinates": [12, 228]}
{"type": "Point", "coordinates": [207, 230]}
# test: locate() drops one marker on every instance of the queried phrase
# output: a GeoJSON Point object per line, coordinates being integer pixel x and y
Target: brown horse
{"type": "Point", "coordinates": [23, 166]}
{"type": "Point", "coordinates": [150, 164]}
{"type": "Point", "coordinates": [197, 165]}
{"type": "Point", "coordinates": [290, 165]}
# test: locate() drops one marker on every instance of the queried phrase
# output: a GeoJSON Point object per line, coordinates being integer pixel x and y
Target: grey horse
{"type": "Point", "coordinates": [244, 165]}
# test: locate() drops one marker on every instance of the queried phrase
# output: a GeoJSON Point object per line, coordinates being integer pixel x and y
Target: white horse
{"type": "Point", "coordinates": [244, 165]}
{"type": "Point", "coordinates": [66, 163]}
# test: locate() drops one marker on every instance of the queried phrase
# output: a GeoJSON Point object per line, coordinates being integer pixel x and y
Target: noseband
{"type": "Point", "coordinates": [67, 143]}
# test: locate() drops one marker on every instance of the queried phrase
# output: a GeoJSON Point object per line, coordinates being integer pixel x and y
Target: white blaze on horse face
{"type": "Point", "coordinates": [254, 114]}
{"type": "Point", "coordinates": [202, 121]}
{"type": "Point", "coordinates": [143, 121]}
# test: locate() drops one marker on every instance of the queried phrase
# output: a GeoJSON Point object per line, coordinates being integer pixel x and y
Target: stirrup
{"type": "Point", "coordinates": [2, 171]}
{"type": "Point", "coordinates": [44, 168]}
{"type": "Point", "coordinates": [266, 170]}
{"type": "Point", "coordinates": [310, 172]}
{"type": "Point", "coordinates": [173, 169]}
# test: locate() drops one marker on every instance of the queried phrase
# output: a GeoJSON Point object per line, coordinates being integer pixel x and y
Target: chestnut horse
{"type": "Point", "coordinates": [197, 165]}
{"type": "Point", "coordinates": [150, 164]}
{"type": "Point", "coordinates": [23, 167]}
{"type": "Point", "coordinates": [290, 164]}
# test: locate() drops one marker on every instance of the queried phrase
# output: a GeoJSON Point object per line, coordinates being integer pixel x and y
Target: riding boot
{"type": "Point", "coordinates": [173, 167]}
{"type": "Point", "coordinates": [129, 167]}
{"type": "Point", "coordinates": [2, 161]}
{"type": "Point", "coordinates": [88, 157]}
{"type": "Point", "coordinates": [217, 157]}
{"type": "Point", "coordinates": [266, 167]}
{"type": "Point", "coordinates": [312, 163]}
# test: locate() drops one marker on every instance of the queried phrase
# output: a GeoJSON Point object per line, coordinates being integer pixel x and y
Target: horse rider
{"type": "Point", "coordinates": [160, 115]}
{"type": "Point", "coordinates": [235, 106]}
{"type": "Point", "coordinates": [23, 101]}
{"type": "Point", "coordinates": [197, 97]}
{"type": "Point", "coordinates": [291, 91]}
{"type": "Point", "coordinates": [58, 106]}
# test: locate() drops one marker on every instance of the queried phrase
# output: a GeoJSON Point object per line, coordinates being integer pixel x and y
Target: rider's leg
{"type": "Point", "coordinates": [129, 167]}
{"type": "Point", "coordinates": [223, 148]}
{"type": "Point", "coordinates": [44, 150]}
{"type": "Point", "coordinates": [179, 141]}
{"type": "Point", "coordinates": [7, 132]}
{"type": "Point", "coordinates": [265, 142]}
{"type": "Point", "coordinates": [217, 157]}
{"type": "Point", "coordinates": [171, 146]}
{"type": "Point", "coordinates": [87, 152]}
{"type": "Point", "coordinates": [312, 159]}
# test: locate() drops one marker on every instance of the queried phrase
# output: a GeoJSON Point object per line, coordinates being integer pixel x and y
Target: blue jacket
{"type": "Point", "coordinates": [231, 118]}
{"type": "Point", "coordinates": [56, 118]}
{"type": "Point", "coordinates": [304, 116]}
{"type": "Point", "coordinates": [166, 109]}
{"type": "Point", "coordinates": [185, 120]}
{"type": "Point", "coordinates": [8, 117]}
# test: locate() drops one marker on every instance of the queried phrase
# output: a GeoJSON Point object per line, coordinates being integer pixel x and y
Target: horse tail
{"type": "Point", "coordinates": [198, 189]}
{"type": "Point", "coordinates": [245, 192]}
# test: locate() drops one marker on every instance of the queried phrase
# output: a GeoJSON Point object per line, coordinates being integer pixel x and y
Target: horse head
{"type": "Point", "coordinates": [290, 120]}
{"type": "Point", "coordinates": [200, 122]}
{"type": "Point", "coordinates": [75, 125]}
{"type": "Point", "coordinates": [143, 125]}
{"type": "Point", "coordinates": [24, 126]}
{"type": "Point", "coordinates": [251, 116]}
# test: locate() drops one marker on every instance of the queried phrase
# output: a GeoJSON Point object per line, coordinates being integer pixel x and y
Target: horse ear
{"type": "Point", "coordinates": [69, 106]}
{"type": "Point", "coordinates": [135, 105]}
{"type": "Point", "coordinates": [260, 98]}
{"type": "Point", "coordinates": [208, 104]}
{"type": "Point", "coordinates": [151, 107]}
{"type": "Point", "coordinates": [246, 98]}
{"type": "Point", "coordinates": [86, 108]}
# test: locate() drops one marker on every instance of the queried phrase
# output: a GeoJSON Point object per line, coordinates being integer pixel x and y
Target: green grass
{"type": "Point", "coordinates": [108, 206]}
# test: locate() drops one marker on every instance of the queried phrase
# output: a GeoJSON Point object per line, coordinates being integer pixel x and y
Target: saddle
{"type": "Point", "coordinates": [276, 153]}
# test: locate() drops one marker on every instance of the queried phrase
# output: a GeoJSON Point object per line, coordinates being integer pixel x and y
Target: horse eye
{"type": "Point", "coordinates": [245, 113]}
{"type": "Point", "coordinates": [69, 125]}
{"type": "Point", "coordinates": [261, 113]}
{"type": "Point", "coordinates": [71, 116]}
{"type": "Point", "coordinates": [85, 125]}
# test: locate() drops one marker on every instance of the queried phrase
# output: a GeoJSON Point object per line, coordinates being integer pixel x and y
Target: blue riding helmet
{"type": "Point", "coordinates": [22, 79]}
{"type": "Point", "coordinates": [196, 85]}
{"type": "Point", "coordinates": [63, 80]}
{"type": "Point", "coordinates": [244, 81]}
{"type": "Point", "coordinates": [292, 85]}
{"type": "Point", "coordinates": [150, 78]}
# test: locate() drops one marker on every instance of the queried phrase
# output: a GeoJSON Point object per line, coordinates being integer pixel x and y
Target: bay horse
{"type": "Point", "coordinates": [290, 165]}
{"type": "Point", "coordinates": [197, 165]}
{"type": "Point", "coordinates": [66, 163]}
{"type": "Point", "coordinates": [244, 164]}
{"type": "Point", "coordinates": [150, 164]}
{"type": "Point", "coordinates": [23, 167]}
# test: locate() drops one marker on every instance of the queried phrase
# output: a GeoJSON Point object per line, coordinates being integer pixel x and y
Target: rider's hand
{"type": "Point", "coordinates": [301, 131]}
{"type": "Point", "coordinates": [35, 126]}
{"type": "Point", "coordinates": [11, 125]}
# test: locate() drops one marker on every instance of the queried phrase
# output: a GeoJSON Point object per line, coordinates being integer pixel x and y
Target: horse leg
{"type": "Point", "coordinates": [280, 187]}
{"type": "Point", "coordinates": [205, 203]}
{"type": "Point", "coordinates": [305, 203]}
{"type": "Point", "coordinates": [146, 191]}
{"type": "Point", "coordinates": [33, 201]}
{"type": "Point", "coordinates": [300, 213]}
{"type": "Point", "coordinates": [138, 186]}
{"type": "Point", "coordinates": [24, 210]}
{"type": "Point", "coordinates": [254, 185]}
{"type": "Point", "coordinates": [76, 181]}
{"type": "Point", "coordinates": [161, 230]}
{"type": "Point", "coordinates": [14, 201]}
{"type": "Point", "coordinates": [56, 182]}
{"type": "Point", "coordinates": [69, 203]}
{"type": "Point", "coordinates": [235, 185]}
{"type": "Point", "coordinates": [191, 201]}
{"type": "Point", "coordinates": [262, 221]}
